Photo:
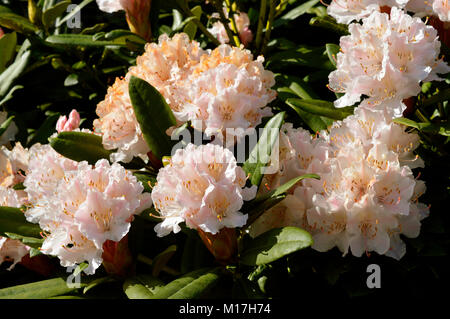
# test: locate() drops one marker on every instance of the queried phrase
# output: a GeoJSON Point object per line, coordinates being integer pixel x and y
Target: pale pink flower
{"type": "Point", "coordinates": [386, 58]}
{"type": "Point", "coordinates": [109, 6]}
{"type": "Point", "coordinates": [242, 24]}
{"type": "Point", "coordinates": [202, 186]}
{"type": "Point", "coordinates": [12, 250]}
{"type": "Point", "coordinates": [65, 125]}
{"type": "Point", "coordinates": [442, 9]}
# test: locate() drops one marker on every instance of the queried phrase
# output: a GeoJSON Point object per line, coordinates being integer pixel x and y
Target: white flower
{"type": "Point", "coordinates": [442, 9]}
{"type": "Point", "coordinates": [109, 6]}
{"type": "Point", "coordinates": [386, 58]}
{"type": "Point", "coordinates": [202, 186]}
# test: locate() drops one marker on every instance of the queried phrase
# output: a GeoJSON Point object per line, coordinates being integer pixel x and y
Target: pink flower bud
{"type": "Point", "coordinates": [246, 36]}
{"type": "Point", "coordinates": [64, 124]}
{"type": "Point", "coordinates": [138, 12]}
{"type": "Point", "coordinates": [1, 33]}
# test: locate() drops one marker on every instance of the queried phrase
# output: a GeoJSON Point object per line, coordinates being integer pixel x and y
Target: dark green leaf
{"type": "Point", "coordinates": [319, 107]}
{"type": "Point", "coordinates": [8, 76]}
{"type": "Point", "coordinates": [49, 16]}
{"type": "Point", "coordinates": [45, 131]}
{"type": "Point", "coordinates": [37, 290]}
{"type": "Point", "coordinates": [8, 49]}
{"type": "Point", "coordinates": [12, 220]}
{"type": "Point", "coordinates": [29, 241]}
{"type": "Point", "coordinates": [192, 285]}
{"type": "Point", "coordinates": [295, 13]}
{"type": "Point", "coordinates": [142, 287]}
{"type": "Point", "coordinates": [161, 260]}
{"type": "Point", "coordinates": [153, 114]}
{"type": "Point", "coordinates": [260, 155]}
{"type": "Point", "coordinates": [275, 244]}
{"type": "Point", "coordinates": [329, 24]}
{"type": "Point", "coordinates": [4, 126]}
{"type": "Point", "coordinates": [80, 146]}
{"type": "Point", "coordinates": [17, 23]}
{"type": "Point", "coordinates": [83, 40]}
{"type": "Point", "coordinates": [433, 128]}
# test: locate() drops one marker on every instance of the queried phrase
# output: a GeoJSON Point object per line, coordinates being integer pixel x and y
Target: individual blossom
{"type": "Point", "coordinates": [347, 11]}
{"type": "Point", "coordinates": [242, 24]}
{"type": "Point", "coordinates": [80, 207]}
{"type": "Point", "coordinates": [386, 59]}
{"type": "Point", "coordinates": [137, 13]}
{"type": "Point", "coordinates": [10, 132]}
{"type": "Point", "coordinates": [65, 124]}
{"type": "Point", "coordinates": [202, 186]}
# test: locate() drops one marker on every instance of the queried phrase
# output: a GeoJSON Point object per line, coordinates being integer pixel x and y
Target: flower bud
{"type": "Point", "coordinates": [223, 245]}
{"type": "Point", "coordinates": [117, 258]}
{"type": "Point", "coordinates": [64, 124]}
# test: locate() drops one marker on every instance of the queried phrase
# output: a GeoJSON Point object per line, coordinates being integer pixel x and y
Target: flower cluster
{"type": "Point", "coordinates": [202, 186]}
{"type": "Point", "coordinates": [242, 24]}
{"type": "Point", "coordinates": [386, 58]}
{"type": "Point", "coordinates": [78, 206]}
{"type": "Point", "coordinates": [367, 195]}
{"type": "Point", "coordinates": [219, 89]}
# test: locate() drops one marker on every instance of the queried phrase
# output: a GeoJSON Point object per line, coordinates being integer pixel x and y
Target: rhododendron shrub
{"type": "Point", "coordinates": [237, 149]}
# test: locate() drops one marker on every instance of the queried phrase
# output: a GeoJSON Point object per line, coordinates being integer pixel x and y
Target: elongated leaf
{"type": "Point", "coordinates": [260, 155]}
{"type": "Point", "coordinates": [37, 290]}
{"type": "Point", "coordinates": [329, 24]}
{"type": "Point", "coordinates": [332, 51]}
{"type": "Point", "coordinates": [192, 285]}
{"type": "Point", "coordinates": [191, 28]}
{"type": "Point", "coordinates": [12, 220]}
{"type": "Point", "coordinates": [306, 56]}
{"type": "Point", "coordinates": [80, 146]}
{"type": "Point", "coordinates": [295, 13]}
{"type": "Point", "coordinates": [8, 48]}
{"type": "Point", "coordinates": [49, 16]}
{"type": "Point", "coordinates": [29, 241]}
{"type": "Point", "coordinates": [8, 76]}
{"type": "Point", "coordinates": [319, 107]}
{"type": "Point", "coordinates": [17, 23]}
{"type": "Point", "coordinates": [142, 287]}
{"type": "Point", "coordinates": [10, 94]}
{"type": "Point", "coordinates": [82, 40]}
{"type": "Point", "coordinates": [275, 244]}
{"type": "Point", "coordinates": [97, 282]}
{"type": "Point", "coordinates": [441, 129]}
{"type": "Point", "coordinates": [154, 116]}
{"type": "Point", "coordinates": [4, 126]}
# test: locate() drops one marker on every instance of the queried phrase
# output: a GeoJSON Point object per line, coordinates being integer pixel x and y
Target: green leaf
{"type": "Point", "coordinates": [83, 40]}
{"type": "Point", "coordinates": [79, 146]}
{"type": "Point", "coordinates": [8, 48]}
{"type": "Point", "coordinates": [275, 244]}
{"type": "Point", "coordinates": [11, 73]}
{"type": "Point", "coordinates": [10, 94]}
{"type": "Point", "coordinates": [332, 51]}
{"type": "Point", "coordinates": [191, 28]}
{"type": "Point", "coordinates": [142, 287]}
{"type": "Point", "coordinates": [154, 116]}
{"type": "Point", "coordinates": [47, 129]}
{"type": "Point", "coordinates": [71, 80]}
{"type": "Point", "coordinates": [50, 15]}
{"type": "Point", "coordinates": [433, 128]}
{"type": "Point", "coordinates": [319, 107]}
{"type": "Point", "coordinates": [260, 155]}
{"type": "Point", "coordinates": [295, 13]}
{"type": "Point", "coordinates": [161, 259]}
{"type": "Point", "coordinates": [79, 269]}
{"type": "Point", "coordinates": [302, 55]}
{"type": "Point", "coordinates": [97, 282]}
{"type": "Point", "coordinates": [12, 220]}
{"type": "Point", "coordinates": [329, 24]}
{"type": "Point", "coordinates": [37, 290]}
{"type": "Point", "coordinates": [29, 241]}
{"type": "Point", "coordinates": [4, 126]}
{"type": "Point", "coordinates": [192, 285]}
{"type": "Point", "coordinates": [17, 23]}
